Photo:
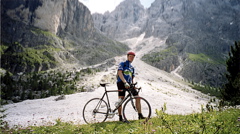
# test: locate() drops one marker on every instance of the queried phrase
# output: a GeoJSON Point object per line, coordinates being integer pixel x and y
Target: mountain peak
{"type": "Point", "coordinates": [130, 3]}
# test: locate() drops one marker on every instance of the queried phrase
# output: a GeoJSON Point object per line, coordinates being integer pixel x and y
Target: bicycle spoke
{"type": "Point", "coordinates": [95, 111]}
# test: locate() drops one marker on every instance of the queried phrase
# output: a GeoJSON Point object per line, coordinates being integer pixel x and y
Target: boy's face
{"type": "Point", "coordinates": [130, 58]}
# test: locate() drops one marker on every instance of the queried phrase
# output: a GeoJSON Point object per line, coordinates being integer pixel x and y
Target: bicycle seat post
{"type": "Point", "coordinates": [105, 88]}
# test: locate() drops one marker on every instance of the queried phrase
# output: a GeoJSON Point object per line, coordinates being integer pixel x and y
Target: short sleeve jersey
{"type": "Point", "coordinates": [128, 71]}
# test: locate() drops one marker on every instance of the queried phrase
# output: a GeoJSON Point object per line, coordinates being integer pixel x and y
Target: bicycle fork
{"type": "Point", "coordinates": [133, 105]}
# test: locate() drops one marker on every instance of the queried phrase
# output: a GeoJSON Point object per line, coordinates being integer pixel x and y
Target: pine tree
{"type": "Point", "coordinates": [231, 90]}
{"type": "Point", "coordinates": [30, 94]}
{"type": "Point", "coordinates": [8, 89]}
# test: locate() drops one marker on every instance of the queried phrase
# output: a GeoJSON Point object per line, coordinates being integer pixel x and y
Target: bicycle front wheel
{"type": "Point", "coordinates": [134, 106]}
{"type": "Point", "coordinates": [95, 111]}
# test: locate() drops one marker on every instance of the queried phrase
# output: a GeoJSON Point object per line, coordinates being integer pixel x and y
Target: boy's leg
{"type": "Point", "coordinates": [139, 109]}
{"type": "Point", "coordinates": [120, 109]}
{"type": "Point", "coordinates": [121, 94]}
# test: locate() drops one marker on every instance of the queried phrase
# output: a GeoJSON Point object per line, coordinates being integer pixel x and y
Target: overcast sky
{"type": "Point", "coordinates": [101, 6]}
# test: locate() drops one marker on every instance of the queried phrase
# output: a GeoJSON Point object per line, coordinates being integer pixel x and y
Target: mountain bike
{"type": "Point", "coordinates": [97, 110]}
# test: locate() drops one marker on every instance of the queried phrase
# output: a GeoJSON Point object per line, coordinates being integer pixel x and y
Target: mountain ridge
{"type": "Point", "coordinates": [188, 27]}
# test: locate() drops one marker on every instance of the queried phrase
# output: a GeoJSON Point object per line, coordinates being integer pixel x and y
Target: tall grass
{"type": "Point", "coordinates": [214, 122]}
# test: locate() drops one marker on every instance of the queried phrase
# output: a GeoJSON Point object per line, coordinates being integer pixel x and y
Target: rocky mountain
{"type": "Point", "coordinates": [124, 22]}
{"type": "Point", "coordinates": [197, 34]}
{"type": "Point", "coordinates": [38, 35]}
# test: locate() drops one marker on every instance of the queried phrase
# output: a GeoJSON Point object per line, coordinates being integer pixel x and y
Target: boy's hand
{"type": "Point", "coordinates": [126, 85]}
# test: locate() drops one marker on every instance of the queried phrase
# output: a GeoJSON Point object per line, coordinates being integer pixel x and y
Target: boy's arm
{"type": "Point", "coordinates": [120, 74]}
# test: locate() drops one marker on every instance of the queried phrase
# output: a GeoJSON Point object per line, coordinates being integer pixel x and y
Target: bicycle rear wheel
{"type": "Point", "coordinates": [130, 110]}
{"type": "Point", "coordinates": [95, 111]}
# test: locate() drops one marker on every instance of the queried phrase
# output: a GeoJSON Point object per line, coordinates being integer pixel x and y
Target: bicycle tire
{"type": "Point", "coordinates": [129, 113]}
{"type": "Point", "coordinates": [95, 111]}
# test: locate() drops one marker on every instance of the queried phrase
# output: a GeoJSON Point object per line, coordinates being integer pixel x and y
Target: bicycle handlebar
{"type": "Point", "coordinates": [133, 86]}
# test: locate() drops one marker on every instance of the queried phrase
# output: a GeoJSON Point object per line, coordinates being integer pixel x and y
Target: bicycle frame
{"type": "Point", "coordinates": [125, 98]}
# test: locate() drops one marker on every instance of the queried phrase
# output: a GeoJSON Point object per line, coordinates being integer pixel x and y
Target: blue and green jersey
{"type": "Point", "coordinates": [128, 71]}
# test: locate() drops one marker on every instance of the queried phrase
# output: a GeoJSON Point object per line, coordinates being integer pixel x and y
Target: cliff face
{"type": "Point", "coordinates": [54, 16]}
{"type": "Point", "coordinates": [165, 17]}
{"type": "Point", "coordinates": [124, 22]}
{"type": "Point", "coordinates": [198, 34]}
{"type": "Point", "coordinates": [42, 34]}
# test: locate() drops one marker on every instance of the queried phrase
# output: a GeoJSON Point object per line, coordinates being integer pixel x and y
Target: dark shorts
{"type": "Point", "coordinates": [122, 90]}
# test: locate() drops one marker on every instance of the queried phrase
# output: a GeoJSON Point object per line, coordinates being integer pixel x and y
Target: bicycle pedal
{"type": "Point", "coordinates": [111, 115]}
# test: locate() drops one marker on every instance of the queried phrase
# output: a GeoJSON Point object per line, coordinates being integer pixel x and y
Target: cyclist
{"type": "Point", "coordinates": [125, 78]}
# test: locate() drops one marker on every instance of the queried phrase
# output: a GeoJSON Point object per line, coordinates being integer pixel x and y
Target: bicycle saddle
{"type": "Point", "coordinates": [104, 84]}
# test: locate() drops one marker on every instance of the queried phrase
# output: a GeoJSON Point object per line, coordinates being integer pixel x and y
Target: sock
{"type": "Point", "coordinates": [140, 116]}
{"type": "Point", "coordinates": [120, 118]}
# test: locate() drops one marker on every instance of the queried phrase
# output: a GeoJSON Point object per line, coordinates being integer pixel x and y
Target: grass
{"type": "Point", "coordinates": [46, 33]}
{"type": "Point", "coordinates": [160, 55]}
{"type": "Point", "coordinates": [212, 91]}
{"type": "Point", "coordinates": [204, 58]}
{"type": "Point", "coordinates": [32, 56]}
{"type": "Point", "coordinates": [219, 122]}
{"type": "Point", "coordinates": [28, 57]}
